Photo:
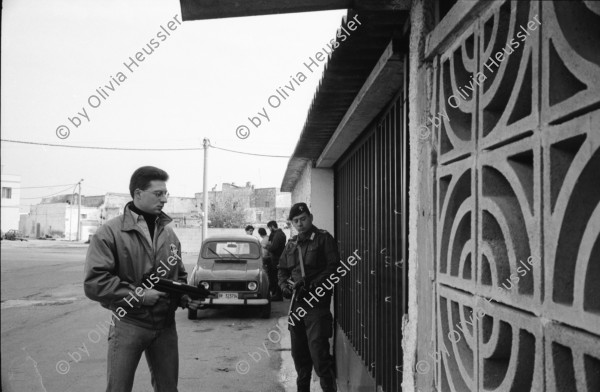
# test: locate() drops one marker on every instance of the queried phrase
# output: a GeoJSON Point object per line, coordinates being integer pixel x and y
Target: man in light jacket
{"type": "Point", "coordinates": [125, 258]}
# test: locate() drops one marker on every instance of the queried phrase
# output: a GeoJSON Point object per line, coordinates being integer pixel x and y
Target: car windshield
{"type": "Point", "coordinates": [231, 249]}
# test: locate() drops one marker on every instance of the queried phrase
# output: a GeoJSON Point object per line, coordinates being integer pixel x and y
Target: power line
{"type": "Point", "coordinates": [142, 149]}
{"type": "Point", "coordinates": [100, 148]}
{"type": "Point", "coordinates": [45, 186]}
{"type": "Point", "coordinates": [249, 153]}
{"type": "Point", "coordinates": [54, 194]}
{"type": "Point", "coordinates": [37, 214]}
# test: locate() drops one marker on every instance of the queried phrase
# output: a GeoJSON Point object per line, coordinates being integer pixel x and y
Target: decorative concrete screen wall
{"type": "Point", "coordinates": [518, 198]}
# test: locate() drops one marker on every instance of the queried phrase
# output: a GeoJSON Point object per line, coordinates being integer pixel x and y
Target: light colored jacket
{"type": "Point", "coordinates": [263, 244]}
{"type": "Point", "coordinates": [119, 255]}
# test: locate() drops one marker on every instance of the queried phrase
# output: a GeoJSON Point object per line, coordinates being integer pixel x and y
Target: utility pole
{"type": "Point", "coordinates": [206, 143]}
{"type": "Point", "coordinates": [79, 213]}
{"type": "Point", "coordinates": [71, 213]}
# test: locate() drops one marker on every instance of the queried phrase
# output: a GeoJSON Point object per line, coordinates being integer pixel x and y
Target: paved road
{"type": "Point", "coordinates": [48, 325]}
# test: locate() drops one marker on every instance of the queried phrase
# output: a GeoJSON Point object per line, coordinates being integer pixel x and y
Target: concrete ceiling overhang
{"type": "Point", "coordinates": [379, 89]}
{"type": "Point", "coordinates": [293, 172]}
{"type": "Point", "coordinates": [360, 78]}
{"type": "Point", "coordinates": [214, 9]}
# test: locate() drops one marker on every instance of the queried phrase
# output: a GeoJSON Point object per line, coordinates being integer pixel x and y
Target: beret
{"type": "Point", "coordinates": [298, 209]}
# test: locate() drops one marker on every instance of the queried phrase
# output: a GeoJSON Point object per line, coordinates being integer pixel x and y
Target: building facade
{"type": "Point", "coordinates": [58, 219]}
{"type": "Point", "coordinates": [11, 198]}
{"type": "Point", "coordinates": [257, 205]}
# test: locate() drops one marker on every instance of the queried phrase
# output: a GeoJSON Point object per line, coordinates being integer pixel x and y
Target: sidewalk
{"type": "Point", "coordinates": [35, 243]}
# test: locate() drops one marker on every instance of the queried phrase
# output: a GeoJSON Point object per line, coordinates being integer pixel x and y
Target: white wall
{"type": "Point", "coordinates": [181, 205]}
{"type": "Point", "coordinates": [90, 213]}
{"type": "Point", "coordinates": [315, 187]}
{"type": "Point", "coordinates": [51, 217]}
{"type": "Point", "coordinates": [301, 191]}
{"type": "Point", "coordinates": [10, 215]}
{"type": "Point", "coordinates": [322, 203]}
{"type": "Point", "coordinates": [283, 199]}
{"type": "Point", "coordinates": [59, 220]}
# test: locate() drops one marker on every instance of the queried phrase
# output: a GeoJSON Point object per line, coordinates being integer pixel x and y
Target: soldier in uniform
{"type": "Point", "coordinates": [311, 324]}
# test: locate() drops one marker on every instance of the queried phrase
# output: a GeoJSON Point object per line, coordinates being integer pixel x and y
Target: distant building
{"type": "Point", "coordinates": [11, 195]}
{"type": "Point", "coordinates": [260, 205]}
{"type": "Point", "coordinates": [183, 210]}
{"type": "Point", "coordinates": [57, 216]}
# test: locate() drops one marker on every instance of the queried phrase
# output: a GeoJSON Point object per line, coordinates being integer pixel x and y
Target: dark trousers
{"type": "Point", "coordinates": [270, 266]}
{"type": "Point", "coordinates": [310, 347]}
{"type": "Point", "coordinates": [127, 342]}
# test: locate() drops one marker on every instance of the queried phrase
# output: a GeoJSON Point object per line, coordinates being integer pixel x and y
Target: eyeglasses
{"type": "Point", "coordinates": [158, 194]}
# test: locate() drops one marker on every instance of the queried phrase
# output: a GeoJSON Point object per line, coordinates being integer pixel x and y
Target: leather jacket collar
{"type": "Point", "coordinates": [128, 223]}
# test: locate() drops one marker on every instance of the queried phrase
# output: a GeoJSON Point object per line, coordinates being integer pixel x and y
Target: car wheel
{"type": "Point", "coordinates": [192, 314]}
{"type": "Point", "coordinates": [265, 311]}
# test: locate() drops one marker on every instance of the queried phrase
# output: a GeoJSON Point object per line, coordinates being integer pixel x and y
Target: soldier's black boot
{"type": "Point", "coordinates": [303, 380]}
{"type": "Point", "coordinates": [328, 383]}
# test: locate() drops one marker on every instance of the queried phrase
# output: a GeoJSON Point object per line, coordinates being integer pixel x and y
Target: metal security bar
{"type": "Point", "coordinates": [371, 217]}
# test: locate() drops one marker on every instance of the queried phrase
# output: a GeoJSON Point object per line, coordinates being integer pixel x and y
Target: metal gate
{"type": "Point", "coordinates": [371, 216]}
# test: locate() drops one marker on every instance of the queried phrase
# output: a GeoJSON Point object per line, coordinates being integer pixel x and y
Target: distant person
{"type": "Point", "coordinates": [121, 252]}
{"type": "Point", "coordinates": [267, 261]}
{"type": "Point", "coordinates": [264, 241]}
{"type": "Point", "coordinates": [249, 229]}
{"type": "Point", "coordinates": [277, 238]}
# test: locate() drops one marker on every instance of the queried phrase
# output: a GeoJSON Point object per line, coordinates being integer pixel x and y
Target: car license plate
{"type": "Point", "coordinates": [228, 296]}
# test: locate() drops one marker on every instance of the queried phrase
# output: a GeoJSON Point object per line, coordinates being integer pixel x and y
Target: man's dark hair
{"type": "Point", "coordinates": [262, 231]}
{"type": "Point", "coordinates": [249, 227]}
{"type": "Point", "coordinates": [272, 224]}
{"type": "Point", "coordinates": [140, 179]}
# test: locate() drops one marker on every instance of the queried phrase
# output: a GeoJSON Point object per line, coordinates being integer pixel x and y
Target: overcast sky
{"type": "Point", "coordinates": [203, 80]}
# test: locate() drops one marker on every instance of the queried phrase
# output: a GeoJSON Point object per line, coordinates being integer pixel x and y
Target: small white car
{"type": "Point", "coordinates": [231, 268]}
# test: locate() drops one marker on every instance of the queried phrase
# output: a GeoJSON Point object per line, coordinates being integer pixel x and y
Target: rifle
{"type": "Point", "coordinates": [291, 285]}
{"type": "Point", "coordinates": [178, 288]}
{"type": "Point", "coordinates": [297, 293]}
{"type": "Point", "coordinates": [174, 287]}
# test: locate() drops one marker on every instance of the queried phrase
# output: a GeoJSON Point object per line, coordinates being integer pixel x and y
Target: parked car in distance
{"type": "Point", "coordinates": [14, 235]}
{"type": "Point", "coordinates": [231, 268]}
